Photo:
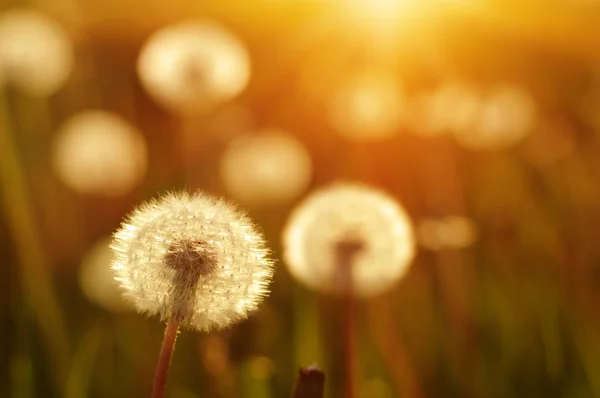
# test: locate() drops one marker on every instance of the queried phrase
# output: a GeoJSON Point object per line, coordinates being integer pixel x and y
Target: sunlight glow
{"type": "Point", "coordinates": [369, 107]}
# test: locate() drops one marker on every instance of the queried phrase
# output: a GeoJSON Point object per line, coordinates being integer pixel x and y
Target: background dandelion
{"type": "Point", "coordinates": [265, 167]}
{"type": "Point", "coordinates": [98, 152]}
{"type": "Point", "coordinates": [36, 53]}
{"type": "Point", "coordinates": [192, 66]}
{"type": "Point", "coordinates": [355, 213]}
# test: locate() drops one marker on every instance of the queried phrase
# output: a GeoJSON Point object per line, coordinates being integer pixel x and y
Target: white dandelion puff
{"type": "Point", "coordinates": [98, 152]}
{"type": "Point", "coordinates": [265, 168]}
{"type": "Point", "coordinates": [36, 53]}
{"type": "Point", "coordinates": [349, 225]}
{"type": "Point", "coordinates": [193, 65]}
{"type": "Point", "coordinates": [193, 259]}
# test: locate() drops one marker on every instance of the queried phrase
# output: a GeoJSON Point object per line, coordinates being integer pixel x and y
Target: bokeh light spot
{"type": "Point", "coordinates": [337, 214]}
{"type": "Point", "coordinates": [450, 232]}
{"type": "Point", "coordinates": [193, 66]}
{"type": "Point", "coordinates": [368, 107]}
{"type": "Point", "coordinates": [98, 152]}
{"type": "Point", "coordinates": [36, 53]}
{"type": "Point", "coordinates": [96, 278]}
{"type": "Point", "coordinates": [266, 167]}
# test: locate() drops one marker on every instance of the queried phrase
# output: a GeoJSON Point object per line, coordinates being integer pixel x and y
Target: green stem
{"type": "Point", "coordinates": [34, 268]}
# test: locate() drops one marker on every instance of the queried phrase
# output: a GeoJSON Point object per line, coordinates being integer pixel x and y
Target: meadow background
{"type": "Point", "coordinates": [508, 309]}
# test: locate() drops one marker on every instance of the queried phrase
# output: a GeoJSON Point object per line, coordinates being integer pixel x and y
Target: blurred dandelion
{"type": "Point", "coordinates": [267, 167]}
{"type": "Point", "coordinates": [192, 66]}
{"type": "Point", "coordinates": [368, 107]}
{"type": "Point", "coordinates": [351, 219]}
{"type": "Point", "coordinates": [193, 258]}
{"type": "Point", "coordinates": [451, 232]}
{"type": "Point", "coordinates": [195, 261]}
{"type": "Point", "coordinates": [507, 115]}
{"type": "Point", "coordinates": [98, 152]}
{"type": "Point", "coordinates": [451, 108]}
{"type": "Point", "coordinates": [96, 278]}
{"type": "Point", "coordinates": [36, 53]}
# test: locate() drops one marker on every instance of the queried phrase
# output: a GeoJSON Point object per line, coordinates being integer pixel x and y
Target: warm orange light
{"type": "Point", "coordinates": [368, 107]}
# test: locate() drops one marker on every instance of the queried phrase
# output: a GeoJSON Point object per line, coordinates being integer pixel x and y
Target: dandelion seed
{"type": "Point", "coordinates": [192, 258]}
{"type": "Point", "coordinates": [348, 225]}
{"type": "Point", "coordinates": [36, 54]}
{"type": "Point", "coordinates": [192, 66]}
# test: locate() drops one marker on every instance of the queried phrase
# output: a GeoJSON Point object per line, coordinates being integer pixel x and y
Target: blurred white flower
{"type": "Point", "coordinates": [193, 258]}
{"type": "Point", "coordinates": [361, 224]}
{"type": "Point", "coordinates": [36, 53]}
{"type": "Point", "coordinates": [506, 116]}
{"type": "Point", "coordinates": [368, 107]}
{"type": "Point", "coordinates": [450, 232]}
{"type": "Point", "coordinates": [96, 278]}
{"type": "Point", "coordinates": [267, 167]}
{"type": "Point", "coordinates": [98, 152]}
{"type": "Point", "coordinates": [453, 108]}
{"type": "Point", "coordinates": [192, 66]}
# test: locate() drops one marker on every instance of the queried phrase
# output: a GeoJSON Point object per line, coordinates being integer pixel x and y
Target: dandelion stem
{"type": "Point", "coordinates": [164, 359]}
{"type": "Point", "coordinates": [349, 345]}
{"type": "Point", "coordinates": [346, 252]}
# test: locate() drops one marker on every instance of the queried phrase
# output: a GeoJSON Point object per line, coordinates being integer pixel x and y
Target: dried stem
{"type": "Point", "coordinates": [164, 359]}
{"type": "Point", "coordinates": [310, 383]}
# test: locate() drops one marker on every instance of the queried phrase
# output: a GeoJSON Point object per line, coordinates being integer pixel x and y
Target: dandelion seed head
{"type": "Point", "coordinates": [194, 258]}
{"type": "Point", "coordinates": [193, 65]}
{"type": "Point", "coordinates": [357, 222]}
{"type": "Point", "coordinates": [265, 168]}
{"type": "Point", "coordinates": [98, 152]}
{"type": "Point", "coordinates": [36, 53]}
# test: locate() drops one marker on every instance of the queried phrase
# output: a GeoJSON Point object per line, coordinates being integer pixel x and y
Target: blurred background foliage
{"type": "Point", "coordinates": [500, 300]}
